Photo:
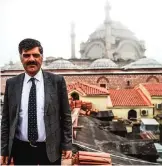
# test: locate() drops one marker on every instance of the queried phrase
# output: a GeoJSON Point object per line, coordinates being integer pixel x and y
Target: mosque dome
{"type": "Point", "coordinates": [103, 64]}
{"type": "Point", "coordinates": [143, 63]}
{"type": "Point", "coordinates": [112, 37]}
{"type": "Point", "coordinates": [17, 66]}
{"type": "Point", "coordinates": [6, 67]}
{"type": "Point", "coordinates": [62, 64]}
{"type": "Point", "coordinates": [13, 66]}
{"type": "Point", "coordinates": [118, 30]}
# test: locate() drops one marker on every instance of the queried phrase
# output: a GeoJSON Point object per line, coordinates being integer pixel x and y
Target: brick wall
{"type": "Point", "coordinates": [115, 81]}
{"type": "Point", "coordinates": [111, 79]}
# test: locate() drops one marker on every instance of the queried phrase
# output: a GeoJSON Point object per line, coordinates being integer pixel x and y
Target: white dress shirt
{"type": "Point", "coordinates": [22, 129]}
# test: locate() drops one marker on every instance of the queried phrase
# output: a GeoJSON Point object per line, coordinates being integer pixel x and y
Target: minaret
{"type": "Point", "coordinates": [73, 40]}
{"type": "Point", "coordinates": [107, 12]}
{"type": "Point", "coordinates": [107, 30]}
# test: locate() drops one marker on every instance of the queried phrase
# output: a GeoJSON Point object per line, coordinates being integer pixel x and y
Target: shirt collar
{"type": "Point", "coordinates": [38, 76]}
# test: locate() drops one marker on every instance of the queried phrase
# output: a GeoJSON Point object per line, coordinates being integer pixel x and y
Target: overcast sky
{"type": "Point", "coordinates": [49, 21]}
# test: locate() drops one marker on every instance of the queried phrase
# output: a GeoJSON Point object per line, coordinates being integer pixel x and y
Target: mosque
{"type": "Point", "coordinates": [112, 58]}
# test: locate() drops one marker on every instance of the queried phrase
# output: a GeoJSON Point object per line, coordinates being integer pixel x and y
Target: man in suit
{"type": "Point", "coordinates": [36, 125]}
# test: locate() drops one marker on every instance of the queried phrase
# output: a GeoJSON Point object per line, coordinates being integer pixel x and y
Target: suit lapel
{"type": "Point", "coordinates": [18, 89]}
{"type": "Point", "coordinates": [48, 90]}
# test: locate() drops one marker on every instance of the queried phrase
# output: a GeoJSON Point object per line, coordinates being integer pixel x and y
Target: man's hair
{"type": "Point", "coordinates": [28, 44]}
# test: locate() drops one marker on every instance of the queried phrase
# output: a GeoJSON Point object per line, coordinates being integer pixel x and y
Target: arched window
{"type": "Point", "coordinates": [132, 114]}
{"type": "Point", "coordinates": [103, 82]}
{"type": "Point", "coordinates": [75, 96]}
{"type": "Point", "coordinates": [152, 79]}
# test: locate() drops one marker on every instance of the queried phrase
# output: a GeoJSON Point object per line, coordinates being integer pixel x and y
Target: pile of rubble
{"type": "Point", "coordinates": [91, 158]}
{"type": "Point", "coordinates": [85, 107]}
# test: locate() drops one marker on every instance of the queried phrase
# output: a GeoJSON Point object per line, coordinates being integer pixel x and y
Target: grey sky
{"type": "Point", "coordinates": [49, 21]}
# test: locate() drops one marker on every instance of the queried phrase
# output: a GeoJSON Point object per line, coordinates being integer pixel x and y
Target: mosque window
{"type": "Point", "coordinates": [128, 83]}
{"type": "Point", "coordinates": [103, 85]}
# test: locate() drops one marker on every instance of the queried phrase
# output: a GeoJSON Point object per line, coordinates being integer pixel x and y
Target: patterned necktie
{"type": "Point", "coordinates": [32, 113]}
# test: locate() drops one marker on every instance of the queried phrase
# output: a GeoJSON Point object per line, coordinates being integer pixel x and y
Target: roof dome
{"type": "Point", "coordinates": [15, 66]}
{"type": "Point", "coordinates": [144, 63]}
{"type": "Point", "coordinates": [103, 64]}
{"type": "Point", "coordinates": [62, 64]}
{"type": "Point", "coordinates": [118, 30]}
{"type": "Point", "coordinates": [5, 67]}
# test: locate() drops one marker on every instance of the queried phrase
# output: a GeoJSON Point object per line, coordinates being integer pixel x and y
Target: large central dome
{"type": "Point", "coordinates": [117, 30]}
{"type": "Point", "coordinates": [114, 41]}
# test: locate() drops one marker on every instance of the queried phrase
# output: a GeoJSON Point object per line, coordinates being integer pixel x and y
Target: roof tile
{"type": "Point", "coordinates": [155, 89]}
{"type": "Point", "coordinates": [128, 97]}
{"type": "Point", "coordinates": [87, 89]}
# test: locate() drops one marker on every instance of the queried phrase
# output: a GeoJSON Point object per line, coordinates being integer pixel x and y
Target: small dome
{"type": "Point", "coordinates": [144, 63]}
{"type": "Point", "coordinates": [5, 67]}
{"type": "Point", "coordinates": [44, 66]}
{"type": "Point", "coordinates": [103, 64]}
{"type": "Point", "coordinates": [62, 64]}
{"type": "Point", "coordinates": [15, 66]}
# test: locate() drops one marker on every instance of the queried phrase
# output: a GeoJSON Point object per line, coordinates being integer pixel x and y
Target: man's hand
{"type": "Point", "coordinates": [4, 160]}
{"type": "Point", "coordinates": [67, 154]}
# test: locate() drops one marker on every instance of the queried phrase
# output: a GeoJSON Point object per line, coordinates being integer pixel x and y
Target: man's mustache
{"type": "Point", "coordinates": [31, 63]}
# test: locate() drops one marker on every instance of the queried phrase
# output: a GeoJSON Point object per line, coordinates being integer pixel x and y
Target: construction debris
{"type": "Point", "coordinates": [92, 158]}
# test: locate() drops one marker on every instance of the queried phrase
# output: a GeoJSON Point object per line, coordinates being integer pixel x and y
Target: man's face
{"type": "Point", "coordinates": [32, 61]}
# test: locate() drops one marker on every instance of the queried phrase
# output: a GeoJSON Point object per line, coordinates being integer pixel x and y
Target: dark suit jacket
{"type": "Point", "coordinates": [57, 115]}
